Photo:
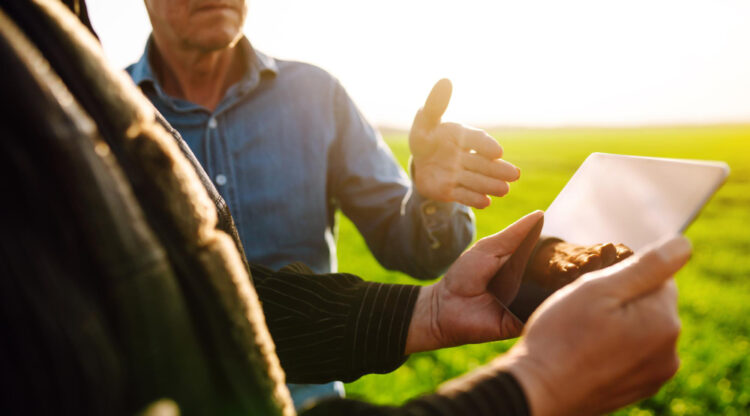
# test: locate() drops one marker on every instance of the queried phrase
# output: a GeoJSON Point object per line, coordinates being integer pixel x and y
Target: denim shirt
{"type": "Point", "coordinates": [286, 147]}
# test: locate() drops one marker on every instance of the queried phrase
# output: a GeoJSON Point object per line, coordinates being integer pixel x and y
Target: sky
{"type": "Point", "coordinates": [512, 63]}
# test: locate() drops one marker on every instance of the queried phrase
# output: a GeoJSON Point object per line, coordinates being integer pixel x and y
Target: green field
{"type": "Point", "coordinates": [714, 287]}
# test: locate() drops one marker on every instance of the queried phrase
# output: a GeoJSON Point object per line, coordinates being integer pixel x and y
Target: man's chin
{"type": "Point", "coordinates": [214, 42]}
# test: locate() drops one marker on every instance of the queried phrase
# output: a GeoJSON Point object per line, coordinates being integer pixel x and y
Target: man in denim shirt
{"type": "Point", "coordinates": [286, 147]}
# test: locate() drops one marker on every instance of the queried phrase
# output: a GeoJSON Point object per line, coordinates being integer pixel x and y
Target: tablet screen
{"type": "Point", "coordinates": [631, 200]}
{"type": "Point", "coordinates": [624, 199]}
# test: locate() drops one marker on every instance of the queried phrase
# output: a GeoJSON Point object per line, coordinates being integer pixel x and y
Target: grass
{"type": "Point", "coordinates": [714, 288]}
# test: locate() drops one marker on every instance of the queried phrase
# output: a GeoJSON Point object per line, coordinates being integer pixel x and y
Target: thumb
{"type": "Point", "coordinates": [508, 240]}
{"type": "Point", "coordinates": [436, 104]}
{"type": "Point", "coordinates": [649, 270]}
{"type": "Point", "coordinates": [514, 245]}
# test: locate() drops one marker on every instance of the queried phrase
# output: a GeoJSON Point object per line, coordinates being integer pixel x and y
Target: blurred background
{"type": "Point", "coordinates": [512, 63]}
{"type": "Point", "coordinates": [553, 81]}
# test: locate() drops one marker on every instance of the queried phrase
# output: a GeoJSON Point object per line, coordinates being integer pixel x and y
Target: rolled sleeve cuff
{"type": "Point", "coordinates": [435, 215]}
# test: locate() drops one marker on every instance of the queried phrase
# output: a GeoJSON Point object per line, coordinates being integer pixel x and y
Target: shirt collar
{"type": "Point", "coordinates": [258, 63]}
{"type": "Point", "coordinates": [262, 62]}
{"type": "Point", "coordinates": [141, 71]}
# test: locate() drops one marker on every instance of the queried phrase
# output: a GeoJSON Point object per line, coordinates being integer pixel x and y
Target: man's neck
{"type": "Point", "coordinates": [201, 77]}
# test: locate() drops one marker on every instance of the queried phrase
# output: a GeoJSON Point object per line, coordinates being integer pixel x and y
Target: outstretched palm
{"type": "Point", "coordinates": [453, 162]}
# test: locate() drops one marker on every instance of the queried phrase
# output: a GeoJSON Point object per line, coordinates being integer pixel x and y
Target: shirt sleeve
{"type": "Point", "coordinates": [337, 326]}
{"type": "Point", "coordinates": [334, 326]}
{"type": "Point", "coordinates": [490, 395]}
{"type": "Point", "coordinates": [404, 230]}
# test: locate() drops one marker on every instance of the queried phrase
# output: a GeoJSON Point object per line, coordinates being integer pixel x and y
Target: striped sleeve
{"type": "Point", "coordinates": [334, 326]}
{"type": "Point", "coordinates": [496, 394]}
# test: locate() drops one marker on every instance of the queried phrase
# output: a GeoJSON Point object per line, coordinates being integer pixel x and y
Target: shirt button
{"type": "Point", "coordinates": [430, 209]}
{"type": "Point", "coordinates": [212, 123]}
{"type": "Point", "coordinates": [221, 180]}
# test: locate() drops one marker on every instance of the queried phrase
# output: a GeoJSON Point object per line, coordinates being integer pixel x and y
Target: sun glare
{"type": "Point", "coordinates": [512, 63]}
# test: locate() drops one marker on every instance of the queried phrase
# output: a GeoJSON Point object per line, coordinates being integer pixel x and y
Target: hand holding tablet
{"type": "Point", "coordinates": [629, 201]}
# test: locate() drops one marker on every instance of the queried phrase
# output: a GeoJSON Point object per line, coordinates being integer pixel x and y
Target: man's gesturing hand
{"type": "Point", "coordinates": [453, 162]}
{"type": "Point", "coordinates": [605, 340]}
{"type": "Point", "coordinates": [464, 306]}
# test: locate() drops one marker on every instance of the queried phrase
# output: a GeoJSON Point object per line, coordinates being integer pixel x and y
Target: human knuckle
{"type": "Point", "coordinates": [448, 187]}
{"type": "Point", "coordinates": [501, 188]}
{"type": "Point", "coordinates": [636, 267]}
{"type": "Point", "coordinates": [455, 160]}
{"type": "Point", "coordinates": [674, 328]}
{"type": "Point", "coordinates": [655, 262]}
{"type": "Point", "coordinates": [667, 370]}
{"type": "Point", "coordinates": [480, 197]}
{"type": "Point", "coordinates": [460, 138]}
{"type": "Point", "coordinates": [500, 150]}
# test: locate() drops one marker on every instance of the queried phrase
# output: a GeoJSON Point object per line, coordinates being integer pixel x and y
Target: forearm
{"type": "Point", "coordinates": [404, 231]}
{"type": "Point", "coordinates": [441, 232]}
{"type": "Point", "coordinates": [481, 393]}
{"type": "Point", "coordinates": [411, 234]}
{"type": "Point", "coordinates": [334, 326]}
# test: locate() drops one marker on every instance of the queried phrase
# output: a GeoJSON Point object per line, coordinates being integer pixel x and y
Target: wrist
{"type": "Point", "coordinates": [534, 379]}
{"type": "Point", "coordinates": [421, 336]}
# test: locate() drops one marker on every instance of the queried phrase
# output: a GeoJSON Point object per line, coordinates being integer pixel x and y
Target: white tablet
{"type": "Point", "coordinates": [631, 200]}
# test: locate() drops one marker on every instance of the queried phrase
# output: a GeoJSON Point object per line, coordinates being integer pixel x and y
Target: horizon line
{"type": "Point", "coordinates": [593, 126]}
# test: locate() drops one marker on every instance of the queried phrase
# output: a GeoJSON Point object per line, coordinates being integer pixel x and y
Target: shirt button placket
{"type": "Point", "coordinates": [220, 179]}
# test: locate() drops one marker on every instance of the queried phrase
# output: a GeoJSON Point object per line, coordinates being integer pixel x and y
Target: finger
{"type": "Point", "coordinates": [507, 241]}
{"type": "Point", "coordinates": [649, 271]}
{"type": "Point", "coordinates": [470, 198]}
{"type": "Point", "coordinates": [437, 102]}
{"type": "Point", "coordinates": [591, 262]}
{"type": "Point", "coordinates": [623, 252]}
{"type": "Point", "coordinates": [510, 325]}
{"type": "Point", "coordinates": [670, 293]}
{"type": "Point", "coordinates": [474, 139]}
{"type": "Point", "coordinates": [506, 282]}
{"type": "Point", "coordinates": [663, 304]}
{"type": "Point", "coordinates": [608, 254]}
{"type": "Point", "coordinates": [497, 168]}
{"type": "Point", "coordinates": [597, 257]}
{"type": "Point", "coordinates": [482, 184]}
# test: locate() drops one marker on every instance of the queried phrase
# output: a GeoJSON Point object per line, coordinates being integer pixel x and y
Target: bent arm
{"type": "Point", "coordinates": [334, 326]}
{"type": "Point", "coordinates": [337, 326]}
{"type": "Point", "coordinates": [404, 230]}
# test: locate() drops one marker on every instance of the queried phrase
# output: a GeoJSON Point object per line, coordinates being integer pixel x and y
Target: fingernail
{"type": "Point", "coordinates": [519, 173]}
{"type": "Point", "coordinates": [675, 248]}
